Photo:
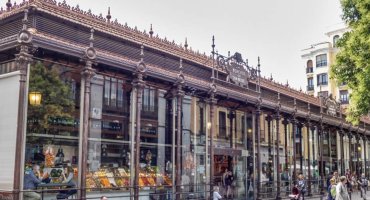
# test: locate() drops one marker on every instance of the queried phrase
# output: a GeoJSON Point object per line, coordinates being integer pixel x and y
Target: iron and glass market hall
{"type": "Point", "coordinates": [135, 116]}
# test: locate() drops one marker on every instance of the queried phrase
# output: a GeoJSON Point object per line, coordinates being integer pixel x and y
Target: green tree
{"type": "Point", "coordinates": [56, 95]}
{"type": "Point", "coordinates": [352, 64]}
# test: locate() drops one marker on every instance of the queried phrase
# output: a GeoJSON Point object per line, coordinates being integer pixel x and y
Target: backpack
{"type": "Point", "coordinates": [333, 191]}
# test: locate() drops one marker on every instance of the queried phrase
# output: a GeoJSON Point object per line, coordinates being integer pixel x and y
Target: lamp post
{"type": "Point", "coordinates": [34, 98]}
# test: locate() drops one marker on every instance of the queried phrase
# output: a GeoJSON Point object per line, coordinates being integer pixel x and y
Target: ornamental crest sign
{"type": "Point", "coordinates": [331, 105]}
{"type": "Point", "coordinates": [238, 70]}
{"type": "Point", "coordinates": [238, 74]}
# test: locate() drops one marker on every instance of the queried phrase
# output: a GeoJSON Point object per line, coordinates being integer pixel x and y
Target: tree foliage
{"type": "Point", "coordinates": [352, 65]}
{"type": "Point", "coordinates": [56, 95]}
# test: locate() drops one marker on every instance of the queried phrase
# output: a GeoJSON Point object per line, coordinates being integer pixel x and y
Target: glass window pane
{"type": "Point", "coordinates": [107, 91]}
{"type": "Point", "coordinates": [52, 134]}
{"type": "Point", "coordinates": [113, 93]}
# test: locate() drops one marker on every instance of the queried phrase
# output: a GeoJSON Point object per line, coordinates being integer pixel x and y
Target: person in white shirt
{"type": "Point", "coordinates": [216, 194]}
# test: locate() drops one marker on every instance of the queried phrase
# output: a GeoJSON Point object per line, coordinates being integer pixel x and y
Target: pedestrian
{"type": "Point", "coordinates": [348, 183]}
{"type": "Point", "coordinates": [332, 189]}
{"type": "Point", "coordinates": [341, 189]}
{"type": "Point", "coordinates": [216, 194]}
{"type": "Point", "coordinates": [301, 186]}
{"type": "Point", "coordinates": [363, 183]}
{"type": "Point", "coordinates": [229, 181]}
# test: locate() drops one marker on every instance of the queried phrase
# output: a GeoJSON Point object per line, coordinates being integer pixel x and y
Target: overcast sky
{"type": "Point", "coordinates": [275, 30]}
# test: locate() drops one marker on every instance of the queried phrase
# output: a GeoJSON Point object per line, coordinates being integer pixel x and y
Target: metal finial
{"type": "Point", "coordinates": [91, 37]}
{"type": "Point", "coordinates": [25, 19]}
{"type": "Point", "coordinates": [300, 88]}
{"type": "Point", "coordinates": [246, 61]}
{"type": "Point", "coordinates": [186, 43]}
{"type": "Point", "coordinates": [151, 31]}
{"type": "Point", "coordinates": [259, 64]}
{"type": "Point", "coordinates": [8, 5]}
{"type": "Point", "coordinates": [287, 83]}
{"type": "Point", "coordinates": [142, 53]}
{"type": "Point", "coordinates": [213, 42]}
{"type": "Point", "coordinates": [271, 77]}
{"type": "Point", "coordinates": [180, 66]}
{"type": "Point", "coordinates": [108, 15]}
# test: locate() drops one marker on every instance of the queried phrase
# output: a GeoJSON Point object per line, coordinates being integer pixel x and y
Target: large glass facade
{"type": "Point", "coordinates": [52, 134]}
{"type": "Point", "coordinates": [53, 140]}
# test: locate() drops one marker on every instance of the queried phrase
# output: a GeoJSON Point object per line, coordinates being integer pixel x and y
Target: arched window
{"type": "Point", "coordinates": [335, 40]}
{"type": "Point", "coordinates": [309, 67]}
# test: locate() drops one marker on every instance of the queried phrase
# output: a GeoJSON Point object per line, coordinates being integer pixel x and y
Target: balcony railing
{"type": "Point", "coordinates": [310, 87]}
{"type": "Point", "coordinates": [309, 70]}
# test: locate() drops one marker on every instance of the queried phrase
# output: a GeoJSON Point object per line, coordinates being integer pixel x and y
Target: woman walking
{"type": "Point", "coordinates": [341, 190]}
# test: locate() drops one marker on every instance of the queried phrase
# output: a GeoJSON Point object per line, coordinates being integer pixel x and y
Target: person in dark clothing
{"type": "Point", "coordinates": [363, 183]}
{"type": "Point", "coordinates": [228, 182]}
{"type": "Point", "coordinates": [64, 194]}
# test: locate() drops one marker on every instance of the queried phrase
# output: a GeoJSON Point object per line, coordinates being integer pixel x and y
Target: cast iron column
{"type": "Point", "coordinates": [341, 152]}
{"type": "Point", "coordinates": [364, 141]}
{"type": "Point", "coordinates": [212, 104]}
{"type": "Point", "coordinates": [308, 157]}
{"type": "Point", "coordinates": [294, 122]}
{"type": "Point", "coordinates": [285, 122]}
{"type": "Point", "coordinates": [259, 166]}
{"type": "Point", "coordinates": [278, 154]}
{"type": "Point", "coordinates": [300, 127]}
{"type": "Point", "coordinates": [87, 73]}
{"type": "Point", "coordinates": [269, 140]}
{"type": "Point", "coordinates": [139, 85]}
{"type": "Point", "coordinates": [179, 96]}
{"type": "Point", "coordinates": [350, 151]}
{"type": "Point", "coordinates": [22, 59]}
{"type": "Point", "coordinates": [321, 157]}
{"type": "Point", "coordinates": [358, 156]}
{"type": "Point", "coordinates": [231, 117]}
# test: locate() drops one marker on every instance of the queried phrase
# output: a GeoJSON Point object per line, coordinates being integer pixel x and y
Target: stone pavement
{"type": "Point", "coordinates": [355, 196]}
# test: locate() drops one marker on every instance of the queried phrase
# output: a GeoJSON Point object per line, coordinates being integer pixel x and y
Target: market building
{"type": "Point", "coordinates": [137, 116]}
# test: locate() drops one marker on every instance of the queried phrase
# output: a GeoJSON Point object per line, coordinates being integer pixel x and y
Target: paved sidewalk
{"type": "Point", "coordinates": [355, 196]}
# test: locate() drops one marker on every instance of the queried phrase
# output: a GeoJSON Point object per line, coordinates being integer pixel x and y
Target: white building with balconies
{"type": "Point", "coordinates": [317, 60]}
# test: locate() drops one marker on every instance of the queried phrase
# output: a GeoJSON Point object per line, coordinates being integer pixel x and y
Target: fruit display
{"type": "Point", "coordinates": [119, 178]}
{"type": "Point", "coordinates": [56, 172]}
{"type": "Point", "coordinates": [90, 181]}
{"type": "Point", "coordinates": [111, 179]}
{"type": "Point", "coordinates": [49, 157]}
{"type": "Point", "coordinates": [102, 176]}
{"type": "Point", "coordinates": [167, 180]}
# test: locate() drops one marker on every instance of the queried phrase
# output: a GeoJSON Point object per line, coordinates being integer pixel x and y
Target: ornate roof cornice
{"type": "Point", "coordinates": [102, 24]}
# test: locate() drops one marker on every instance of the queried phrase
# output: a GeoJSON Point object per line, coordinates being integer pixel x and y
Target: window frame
{"type": "Point", "coordinates": [320, 61]}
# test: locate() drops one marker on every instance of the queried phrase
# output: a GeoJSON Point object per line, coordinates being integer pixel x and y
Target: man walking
{"type": "Point", "coordinates": [363, 183]}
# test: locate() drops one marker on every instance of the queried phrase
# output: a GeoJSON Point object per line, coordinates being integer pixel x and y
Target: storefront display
{"type": "Point", "coordinates": [119, 178]}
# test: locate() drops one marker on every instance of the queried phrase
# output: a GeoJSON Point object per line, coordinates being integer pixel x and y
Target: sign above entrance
{"type": "Point", "coordinates": [332, 106]}
{"type": "Point", "coordinates": [238, 70]}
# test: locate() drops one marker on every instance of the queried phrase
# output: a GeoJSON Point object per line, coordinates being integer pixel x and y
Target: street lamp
{"type": "Point", "coordinates": [34, 98]}
{"type": "Point", "coordinates": [209, 124]}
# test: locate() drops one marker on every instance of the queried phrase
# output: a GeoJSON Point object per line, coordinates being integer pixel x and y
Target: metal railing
{"type": "Point", "coordinates": [148, 192]}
